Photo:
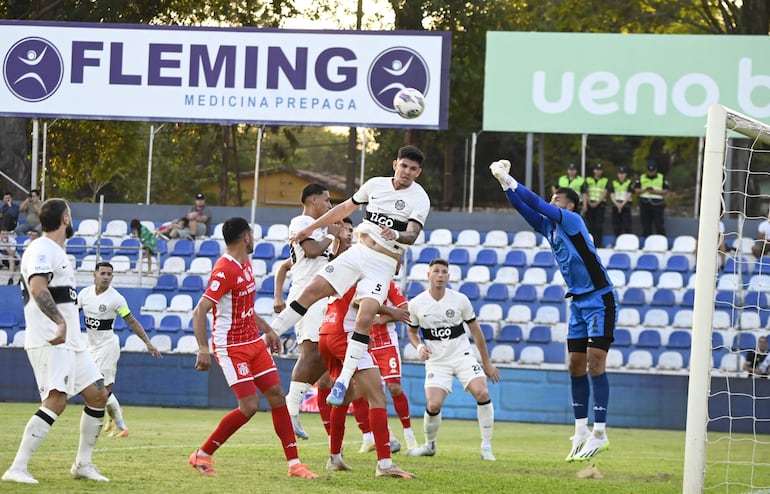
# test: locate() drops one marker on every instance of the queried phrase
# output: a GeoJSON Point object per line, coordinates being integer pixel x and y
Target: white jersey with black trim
{"type": "Point", "coordinates": [386, 206]}
{"type": "Point", "coordinates": [442, 323]}
{"type": "Point", "coordinates": [45, 257]}
{"type": "Point", "coordinates": [99, 312]}
{"type": "Point", "coordinates": [303, 268]}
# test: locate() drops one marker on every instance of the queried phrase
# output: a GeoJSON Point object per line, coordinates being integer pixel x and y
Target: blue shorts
{"type": "Point", "coordinates": [593, 315]}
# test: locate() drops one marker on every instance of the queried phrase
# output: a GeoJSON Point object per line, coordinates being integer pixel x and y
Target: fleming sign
{"type": "Point", "coordinates": [221, 75]}
{"type": "Point", "coordinates": [616, 84]}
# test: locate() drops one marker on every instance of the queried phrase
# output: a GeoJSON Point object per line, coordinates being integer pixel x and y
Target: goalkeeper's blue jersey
{"type": "Point", "coordinates": [572, 248]}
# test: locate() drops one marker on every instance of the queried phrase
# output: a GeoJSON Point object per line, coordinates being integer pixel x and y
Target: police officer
{"type": "Point", "coordinates": [594, 203]}
{"type": "Point", "coordinates": [652, 188]}
{"type": "Point", "coordinates": [621, 193]}
{"type": "Point", "coordinates": [572, 180]}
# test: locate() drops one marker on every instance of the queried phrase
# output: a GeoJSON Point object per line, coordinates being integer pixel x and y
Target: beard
{"type": "Point", "coordinates": [69, 231]}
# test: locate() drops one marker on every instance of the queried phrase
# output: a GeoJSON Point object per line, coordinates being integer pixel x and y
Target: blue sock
{"type": "Point", "coordinates": [601, 388]}
{"type": "Point", "coordinates": [581, 390]}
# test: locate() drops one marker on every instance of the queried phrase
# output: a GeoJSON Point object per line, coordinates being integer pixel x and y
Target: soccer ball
{"type": "Point", "coordinates": [409, 103]}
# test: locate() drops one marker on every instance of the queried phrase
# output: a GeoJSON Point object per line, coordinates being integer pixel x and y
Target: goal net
{"type": "Point", "coordinates": [727, 441]}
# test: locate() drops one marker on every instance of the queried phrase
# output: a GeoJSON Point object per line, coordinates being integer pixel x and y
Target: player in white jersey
{"type": "Point", "coordinates": [395, 211]}
{"type": "Point", "coordinates": [100, 304]}
{"type": "Point", "coordinates": [308, 257]}
{"type": "Point", "coordinates": [440, 313]}
{"type": "Point", "coordinates": [61, 362]}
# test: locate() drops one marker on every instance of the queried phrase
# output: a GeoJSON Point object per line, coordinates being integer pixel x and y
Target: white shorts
{"type": "Point", "coordinates": [369, 270]}
{"type": "Point", "coordinates": [62, 369]}
{"type": "Point", "coordinates": [106, 357]}
{"type": "Point", "coordinates": [464, 367]}
{"type": "Point", "coordinates": [308, 327]}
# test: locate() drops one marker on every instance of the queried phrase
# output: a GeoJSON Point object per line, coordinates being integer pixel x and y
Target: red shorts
{"type": "Point", "coordinates": [248, 367]}
{"type": "Point", "coordinates": [333, 348]}
{"type": "Point", "coordinates": [389, 362]}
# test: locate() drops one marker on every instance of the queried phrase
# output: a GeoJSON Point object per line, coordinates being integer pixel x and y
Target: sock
{"type": "Point", "coordinates": [337, 429]}
{"type": "Point", "coordinates": [285, 432]}
{"type": "Point", "coordinates": [580, 393]}
{"type": "Point", "coordinates": [325, 409]}
{"type": "Point", "coordinates": [378, 418]}
{"type": "Point", "coordinates": [581, 425]}
{"type": "Point", "coordinates": [601, 387]}
{"type": "Point", "coordinates": [90, 426]}
{"type": "Point", "coordinates": [226, 428]}
{"type": "Point", "coordinates": [297, 390]}
{"type": "Point", "coordinates": [34, 433]}
{"type": "Point", "coordinates": [486, 416]}
{"type": "Point", "coordinates": [401, 405]}
{"type": "Point", "coordinates": [358, 344]}
{"type": "Point", "coordinates": [431, 423]}
{"type": "Point", "coordinates": [361, 413]}
{"type": "Point", "coordinates": [599, 428]}
{"type": "Point", "coordinates": [116, 414]}
{"type": "Point", "coordinates": [288, 317]}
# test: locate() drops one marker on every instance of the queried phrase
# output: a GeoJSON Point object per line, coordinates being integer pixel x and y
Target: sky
{"type": "Point", "coordinates": [377, 15]}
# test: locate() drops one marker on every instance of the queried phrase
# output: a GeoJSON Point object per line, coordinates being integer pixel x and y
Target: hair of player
{"type": "Point", "coordinates": [438, 260]}
{"type": "Point", "coordinates": [312, 190]}
{"type": "Point", "coordinates": [571, 195]}
{"type": "Point", "coordinates": [234, 228]}
{"type": "Point", "coordinates": [411, 153]}
{"type": "Point", "coordinates": [51, 214]}
{"type": "Point", "coordinates": [347, 219]}
{"type": "Point", "coordinates": [102, 264]}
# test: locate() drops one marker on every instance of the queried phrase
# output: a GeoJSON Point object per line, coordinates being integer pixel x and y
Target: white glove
{"type": "Point", "coordinates": [500, 171]}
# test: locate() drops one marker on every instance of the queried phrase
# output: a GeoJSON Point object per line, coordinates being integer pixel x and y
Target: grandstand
{"type": "Point", "coordinates": [510, 278]}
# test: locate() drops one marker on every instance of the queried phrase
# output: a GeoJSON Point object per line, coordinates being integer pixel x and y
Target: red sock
{"type": "Point", "coordinates": [361, 413]}
{"type": "Point", "coordinates": [226, 428]}
{"type": "Point", "coordinates": [401, 404]}
{"type": "Point", "coordinates": [337, 429]}
{"type": "Point", "coordinates": [285, 431]}
{"type": "Point", "coordinates": [378, 417]}
{"type": "Point", "coordinates": [325, 409]}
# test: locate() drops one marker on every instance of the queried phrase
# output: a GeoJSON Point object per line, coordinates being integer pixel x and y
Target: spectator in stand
{"type": "Point", "coordinates": [31, 209]}
{"type": "Point", "coordinates": [8, 256]}
{"type": "Point", "coordinates": [176, 229]}
{"type": "Point", "coordinates": [595, 202]}
{"type": "Point", "coordinates": [757, 361]}
{"type": "Point", "coordinates": [9, 213]}
{"type": "Point", "coordinates": [572, 180]}
{"type": "Point", "coordinates": [200, 217]}
{"type": "Point", "coordinates": [760, 247]}
{"type": "Point", "coordinates": [652, 188]}
{"type": "Point", "coordinates": [621, 193]}
{"type": "Point", "coordinates": [147, 239]}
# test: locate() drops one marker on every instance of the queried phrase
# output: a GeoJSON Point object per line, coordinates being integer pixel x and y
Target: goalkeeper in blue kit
{"type": "Point", "coordinates": [592, 309]}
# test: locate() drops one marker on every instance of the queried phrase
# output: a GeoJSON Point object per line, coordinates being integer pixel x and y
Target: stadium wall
{"type": "Point", "coordinates": [647, 401]}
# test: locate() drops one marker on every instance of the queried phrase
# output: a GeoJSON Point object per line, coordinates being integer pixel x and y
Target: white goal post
{"type": "Point", "coordinates": [721, 121]}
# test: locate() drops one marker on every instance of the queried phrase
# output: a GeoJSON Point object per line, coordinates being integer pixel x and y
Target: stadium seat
{"type": "Point", "coordinates": [524, 239]}
{"type": "Point", "coordinates": [88, 263]}
{"type": "Point", "coordinates": [468, 238]}
{"type": "Point", "coordinates": [633, 296]}
{"type": "Point", "coordinates": [147, 321]}
{"type": "Point", "coordinates": [539, 335]}
{"type": "Point", "coordinates": [487, 257]}
{"type": "Point", "coordinates": [170, 323]}
{"type": "Point", "coordinates": [490, 313]}
{"type": "Point", "coordinates": [547, 315]}
{"type": "Point", "coordinates": [617, 277]}
{"type": "Point", "coordinates": [102, 248]}
{"type": "Point", "coordinates": [678, 263]}
{"type": "Point", "coordinates": [510, 333]}
{"type": "Point", "coordinates": [18, 339]}
{"type": "Point", "coordinates": [409, 353]}
{"type": "Point", "coordinates": [77, 246]}
{"type": "Point", "coordinates": [459, 256]}
{"type": "Point", "coordinates": [116, 229]}
{"type": "Point", "coordinates": [88, 228]}
{"type": "Point", "coordinates": [427, 254]}
{"type": "Point", "coordinates": [166, 283]}
{"type": "Point", "coordinates": [502, 354]}
{"type": "Point", "coordinates": [655, 318]}
{"type": "Point", "coordinates": [684, 244]}
{"type": "Point", "coordinates": [8, 321]}
{"type": "Point", "coordinates": [264, 251]}
{"type": "Point", "coordinates": [664, 298]}
{"type": "Point", "coordinates": [186, 344]}
{"type": "Point", "coordinates": [414, 288]}
{"type": "Point", "coordinates": [627, 242]}
{"type": "Point", "coordinates": [647, 262]}
{"type": "Point", "coordinates": [671, 361]}
{"type": "Point", "coordinates": [121, 264]}
{"type": "Point", "coordinates": [620, 261]}
{"type": "Point", "coordinates": [555, 353]}
{"type": "Point", "coordinates": [268, 286]}
{"type": "Point", "coordinates": [507, 274]}
{"type": "Point", "coordinates": [640, 279]}
{"type": "Point", "coordinates": [469, 289]}
{"type": "Point", "coordinates": [544, 259]}
{"type": "Point", "coordinates": [209, 248]}
{"type": "Point", "coordinates": [200, 266]}
{"type": "Point", "coordinates": [531, 355]}
{"type": "Point", "coordinates": [738, 265]}
{"type": "Point", "coordinates": [525, 294]}
{"type": "Point", "coordinates": [488, 331]}
{"type": "Point", "coordinates": [622, 338]}
{"type": "Point", "coordinates": [671, 280]}
{"type": "Point", "coordinates": [478, 274]}
{"type": "Point", "coordinates": [181, 305]}
{"type": "Point", "coordinates": [516, 259]}
{"type": "Point", "coordinates": [3, 338]}
{"type": "Point", "coordinates": [553, 294]}
{"type": "Point", "coordinates": [639, 360]}
{"type": "Point", "coordinates": [258, 268]}
{"type": "Point", "coordinates": [192, 283]}
{"type": "Point", "coordinates": [155, 302]}
{"type": "Point", "coordinates": [455, 274]}
{"type": "Point", "coordinates": [722, 320]}
{"type": "Point", "coordinates": [277, 233]}
{"type": "Point", "coordinates": [749, 321]}
{"type": "Point", "coordinates": [174, 265]}
{"type": "Point", "coordinates": [440, 237]}
{"type": "Point", "coordinates": [418, 272]}
{"type": "Point", "coordinates": [134, 344]}
{"type": "Point", "coordinates": [614, 359]}
{"type": "Point", "coordinates": [518, 314]}
{"type": "Point", "coordinates": [649, 339]}
{"type": "Point", "coordinates": [683, 319]}
{"type": "Point", "coordinates": [495, 239]}
{"type": "Point", "coordinates": [535, 276]}
{"type": "Point", "coordinates": [731, 362]}
{"type": "Point", "coordinates": [497, 292]}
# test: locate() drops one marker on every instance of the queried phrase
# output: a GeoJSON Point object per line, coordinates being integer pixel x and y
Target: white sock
{"type": "Point", "coordinates": [114, 411]}
{"type": "Point", "coordinates": [90, 427]}
{"type": "Point", "coordinates": [486, 417]}
{"type": "Point", "coordinates": [599, 429]}
{"type": "Point", "coordinates": [297, 390]}
{"type": "Point", "coordinates": [368, 437]}
{"type": "Point", "coordinates": [385, 463]}
{"type": "Point", "coordinates": [581, 425]}
{"type": "Point", "coordinates": [353, 354]}
{"type": "Point", "coordinates": [34, 434]}
{"type": "Point", "coordinates": [286, 319]}
{"type": "Point", "coordinates": [431, 423]}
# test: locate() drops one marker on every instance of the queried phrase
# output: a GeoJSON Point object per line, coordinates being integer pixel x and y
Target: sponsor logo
{"type": "Point", "coordinates": [393, 70]}
{"type": "Point", "coordinates": [220, 275]}
{"type": "Point", "coordinates": [33, 69]}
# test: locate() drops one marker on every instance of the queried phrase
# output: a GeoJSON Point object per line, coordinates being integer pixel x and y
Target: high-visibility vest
{"type": "Point", "coordinates": [595, 187]}
{"type": "Point", "coordinates": [575, 184]}
{"type": "Point", "coordinates": [655, 182]}
{"type": "Point", "coordinates": [622, 189]}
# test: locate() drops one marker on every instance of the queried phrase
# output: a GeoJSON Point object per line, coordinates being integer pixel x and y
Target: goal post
{"type": "Point", "coordinates": [720, 122]}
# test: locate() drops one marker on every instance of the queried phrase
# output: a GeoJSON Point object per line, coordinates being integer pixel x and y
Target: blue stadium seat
{"type": "Point", "coordinates": [555, 352]}
{"type": "Point", "coordinates": [539, 335]}
{"type": "Point", "coordinates": [415, 288]}
{"type": "Point", "coordinates": [129, 247]}
{"type": "Point", "coordinates": [497, 292]}
{"type": "Point", "coordinates": [623, 342]}
{"type": "Point", "coordinates": [192, 283]}
{"type": "Point", "coordinates": [544, 259]}
{"type": "Point", "coordinates": [147, 322]}
{"type": "Point", "coordinates": [664, 298]}
{"type": "Point", "coordinates": [185, 249]}
{"type": "Point", "coordinates": [680, 341]}
{"type": "Point", "coordinates": [619, 260]}
{"type": "Point", "coordinates": [757, 301]}
{"type": "Point", "coordinates": [469, 289]}
{"type": "Point", "coordinates": [740, 266]}
{"type": "Point", "coordinates": [104, 245]}
{"type": "Point", "coordinates": [8, 321]}
{"type": "Point", "coordinates": [526, 294]}
{"type": "Point", "coordinates": [268, 286]}
{"type": "Point", "coordinates": [210, 249]}
{"type": "Point", "coordinates": [633, 296]}
{"type": "Point", "coordinates": [688, 299]}
{"type": "Point", "coordinates": [718, 348]}
{"type": "Point", "coordinates": [649, 339]}
{"type": "Point", "coordinates": [427, 254]}
{"type": "Point", "coordinates": [459, 256]}
{"type": "Point", "coordinates": [285, 252]}
{"type": "Point", "coordinates": [119, 324]}
{"type": "Point", "coordinates": [678, 263]}
{"type": "Point", "coordinates": [486, 257]}
{"type": "Point", "coordinates": [488, 331]}
{"type": "Point", "coordinates": [511, 333]}
{"type": "Point", "coordinates": [166, 283]}
{"type": "Point", "coordinates": [762, 266]}
{"type": "Point", "coordinates": [515, 258]}
{"type": "Point", "coordinates": [744, 341]}
{"type": "Point", "coordinates": [265, 251]}
{"type": "Point", "coordinates": [77, 246]}
{"type": "Point", "coordinates": [553, 294]}
{"type": "Point", "coordinates": [170, 323]}
{"type": "Point", "coordinates": [647, 262]}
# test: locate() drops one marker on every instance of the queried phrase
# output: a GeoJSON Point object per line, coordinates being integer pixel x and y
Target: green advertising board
{"type": "Point", "coordinates": [621, 84]}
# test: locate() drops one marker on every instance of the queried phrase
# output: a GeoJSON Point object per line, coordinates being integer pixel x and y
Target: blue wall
{"type": "Point", "coordinates": [524, 395]}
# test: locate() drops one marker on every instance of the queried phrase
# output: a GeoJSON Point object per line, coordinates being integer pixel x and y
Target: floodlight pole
{"type": "Point", "coordinates": [149, 161]}
{"type": "Point", "coordinates": [256, 173]}
{"type": "Point", "coordinates": [35, 142]}
{"type": "Point", "coordinates": [474, 140]}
